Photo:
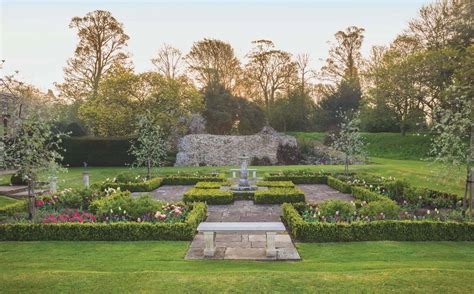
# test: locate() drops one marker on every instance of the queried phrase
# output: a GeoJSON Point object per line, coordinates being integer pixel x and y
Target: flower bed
{"type": "Point", "coordinates": [279, 196]}
{"type": "Point", "coordinates": [380, 230]}
{"type": "Point", "coordinates": [117, 231]}
{"type": "Point", "coordinates": [139, 186]}
{"type": "Point", "coordinates": [275, 184]}
{"type": "Point", "coordinates": [209, 196]}
{"type": "Point", "coordinates": [298, 179]}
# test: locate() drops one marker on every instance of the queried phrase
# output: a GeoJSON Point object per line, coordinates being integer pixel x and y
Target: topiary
{"type": "Point", "coordinates": [18, 179]}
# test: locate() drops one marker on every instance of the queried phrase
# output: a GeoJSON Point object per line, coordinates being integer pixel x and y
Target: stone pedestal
{"type": "Point", "coordinates": [85, 179]}
{"type": "Point", "coordinates": [270, 248]}
{"type": "Point", "coordinates": [210, 244]}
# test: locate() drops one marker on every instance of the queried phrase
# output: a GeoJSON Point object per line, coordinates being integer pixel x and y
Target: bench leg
{"type": "Point", "coordinates": [271, 249]}
{"type": "Point", "coordinates": [254, 174]}
{"type": "Point", "coordinates": [233, 175]}
{"type": "Point", "coordinates": [210, 243]}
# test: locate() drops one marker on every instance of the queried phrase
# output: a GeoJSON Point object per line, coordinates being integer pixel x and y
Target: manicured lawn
{"type": "Point", "coordinates": [419, 173]}
{"type": "Point", "coordinates": [6, 200]}
{"type": "Point", "coordinates": [442, 267]}
{"type": "Point", "coordinates": [386, 145]}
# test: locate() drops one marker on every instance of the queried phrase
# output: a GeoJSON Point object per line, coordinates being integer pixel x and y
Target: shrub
{"type": "Point", "coordinates": [13, 208]}
{"type": "Point", "coordinates": [129, 177]}
{"type": "Point", "coordinates": [339, 185]}
{"type": "Point", "coordinates": [209, 196]}
{"type": "Point", "coordinates": [367, 195]}
{"type": "Point", "coordinates": [276, 184]}
{"type": "Point", "coordinates": [18, 180]}
{"type": "Point", "coordinates": [191, 179]}
{"type": "Point", "coordinates": [145, 186]}
{"type": "Point", "coordinates": [263, 161]}
{"type": "Point", "coordinates": [288, 154]}
{"type": "Point", "coordinates": [211, 185]}
{"type": "Point", "coordinates": [386, 230]}
{"type": "Point", "coordinates": [299, 179]}
{"type": "Point", "coordinates": [279, 196]}
{"type": "Point", "coordinates": [123, 231]}
{"type": "Point", "coordinates": [332, 207]}
{"type": "Point", "coordinates": [374, 209]}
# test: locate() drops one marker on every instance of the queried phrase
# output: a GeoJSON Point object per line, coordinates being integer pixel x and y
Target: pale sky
{"type": "Point", "coordinates": [36, 40]}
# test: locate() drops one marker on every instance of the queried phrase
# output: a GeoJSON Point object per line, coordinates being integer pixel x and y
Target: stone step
{"type": "Point", "coordinates": [10, 190]}
{"type": "Point", "coordinates": [24, 194]}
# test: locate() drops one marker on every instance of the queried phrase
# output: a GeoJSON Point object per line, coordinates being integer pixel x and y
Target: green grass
{"type": "Point", "coordinates": [386, 145]}
{"type": "Point", "coordinates": [419, 173]}
{"type": "Point", "coordinates": [442, 267]}
{"type": "Point", "coordinates": [6, 200]}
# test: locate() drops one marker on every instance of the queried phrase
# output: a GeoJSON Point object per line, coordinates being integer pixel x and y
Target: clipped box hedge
{"type": "Point", "coordinates": [275, 184]}
{"type": "Point", "coordinates": [120, 231]}
{"type": "Point", "coordinates": [363, 194]}
{"type": "Point", "coordinates": [145, 186]}
{"type": "Point", "coordinates": [386, 230]}
{"type": "Point", "coordinates": [211, 185]}
{"type": "Point", "coordinates": [191, 180]}
{"type": "Point", "coordinates": [12, 208]}
{"type": "Point", "coordinates": [209, 196]}
{"type": "Point", "coordinates": [339, 185]}
{"type": "Point", "coordinates": [299, 179]}
{"type": "Point", "coordinates": [279, 196]}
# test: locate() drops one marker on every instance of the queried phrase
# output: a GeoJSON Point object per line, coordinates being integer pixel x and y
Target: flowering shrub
{"type": "Point", "coordinates": [68, 198]}
{"type": "Point", "coordinates": [77, 216]}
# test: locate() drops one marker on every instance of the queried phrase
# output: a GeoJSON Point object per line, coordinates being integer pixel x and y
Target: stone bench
{"type": "Point", "coordinates": [210, 229]}
{"type": "Point", "coordinates": [235, 171]}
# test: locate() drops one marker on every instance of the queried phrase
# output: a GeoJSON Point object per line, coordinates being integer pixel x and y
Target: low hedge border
{"type": "Point", "coordinates": [146, 186]}
{"type": "Point", "coordinates": [191, 180]}
{"type": "Point", "coordinates": [211, 185]}
{"type": "Point", "coordinates": [209, 196]}
{"type": "Point", "coordinates": [386, 230]}
{"type": "Point", "coordinates": [275, 184]}
{"type": "Point", "coordinates": [339, 185]}
{"type": "Point", "coordinates": [363, 194]}
{"type": "Point", "coordinates": [11, 209]}
{"type": "Point", "coordinates": [122, 231]}
{"type": "Point", "coordinates": [299, 179]}
{"type": "Point", "coordinates": [279, 196]}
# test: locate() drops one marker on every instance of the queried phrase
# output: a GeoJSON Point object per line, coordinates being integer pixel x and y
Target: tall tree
{"type": "Point", "coordinates": [168, 61]}
{"type": "Point", "coordinates": [344, 59]}
{"type": "Point", "coordinates": [102, 43]}
{"type": "Point", "coordinates": [271, 70]}
{"type": "Point", "coordinates": [302, 65]}
{"type": "Point", "coordinates": [213, 62]}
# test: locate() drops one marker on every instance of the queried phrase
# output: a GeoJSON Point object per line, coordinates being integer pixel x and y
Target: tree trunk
{"type": "Point", "coordinates": [346, 165]}
{"type": "Point", "coordinates": [31, 200]}
{"type": "Point", "coordinates": [470, 160]}
{"type": "Point", "coordinates": [148, 169]}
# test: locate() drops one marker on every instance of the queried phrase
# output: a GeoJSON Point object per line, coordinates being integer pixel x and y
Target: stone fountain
{"type": "Point", "coordinates": [243, 180]}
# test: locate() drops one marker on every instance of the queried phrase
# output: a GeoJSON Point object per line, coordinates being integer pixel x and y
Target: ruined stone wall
{"type": "Point", "coordinates": [220, 150]}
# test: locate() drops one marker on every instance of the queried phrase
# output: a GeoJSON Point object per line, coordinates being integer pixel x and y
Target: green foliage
{"type": "Point", "coordinates": [339, 185]}
{"type": "Point", "coordinates": [378, 118]}
{"type": "Point", "coordinates": [191, 179]}
{"type": "Point", "coordinates": [145, 186]}
{"type": "Point", "coordinates": [120, 231]}
{"type": "Point", "coordinates": [279, 196]}
{"type": "Point", "coordinates": [315, 178]}
{"type": "Point", "coordinates": [275, 184]}
{"type": "Point", "coordinates": [396, 146]}
{"type": "Point", "coordinates": [374, 209]}
{"type": "Point", "coordinates": [211, 185]}
{"type": "Point", "coordinates": [292, 112]}
{"type": "Point", "coordinates": [150, 147]}
{"type": "Point", "coordinates": [97, 151]}
{"type": "Point", "coordinates": [18, 179]}
{"type": "Point", "coordinates": [209, 196]}
{"type": "Point", "coordinates": [13, 208]}
{"type": "Point", "coordinates": [363, 194]}
{"type": "Point", "coordinates": [344, 208]}
{"type": "Point", "coordinates": [376, 230]}
{"type": "Point", "coordinates": [129, 177]}
{"type": "Point", "coordinates": [288, 154]}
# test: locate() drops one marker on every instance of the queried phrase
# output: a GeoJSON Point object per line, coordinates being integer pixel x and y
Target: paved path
{"type": "Point", "coordinates": [321, 193]}
{"type": "Point", "coordinates": [172, 193]}
{"type": "Point", "coordinates": [244, 211]}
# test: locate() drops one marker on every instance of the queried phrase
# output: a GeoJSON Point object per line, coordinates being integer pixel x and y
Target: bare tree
{"type": "Point", "coordinates": [344, 56]}
{"type": "Point", "coordinates": [213, 62]}
{"type": "Point", "coordinates": [168, 61]}
{"type": "Point", "coordinates": [271, 70]}
{"type": "Point", "coordinates": [102, 41]}
{"type": "Point", "coordinates": [302, 65]}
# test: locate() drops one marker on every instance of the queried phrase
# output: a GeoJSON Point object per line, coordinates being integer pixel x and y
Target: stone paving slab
{"type": "Point", "coordinates": [244, 211]}
{"type": "Point", "coordinates": [321, 193]}
{"type": "Point", "coordinates": [244, 247]}
{"type": "Point", "coordinates": [168, 193]}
